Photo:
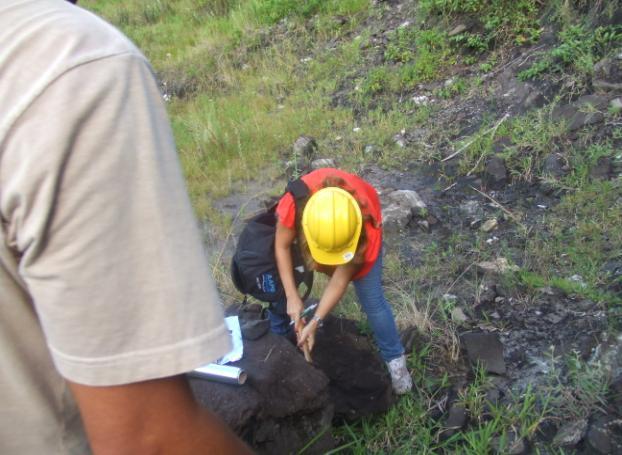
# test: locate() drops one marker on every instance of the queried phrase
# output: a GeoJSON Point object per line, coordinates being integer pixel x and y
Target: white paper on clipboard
{"type": "Point", "coordinates": [233, 325]}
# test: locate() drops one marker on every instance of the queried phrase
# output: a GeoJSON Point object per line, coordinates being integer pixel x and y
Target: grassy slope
{"type": "Point", "coordinates": [253, 75]}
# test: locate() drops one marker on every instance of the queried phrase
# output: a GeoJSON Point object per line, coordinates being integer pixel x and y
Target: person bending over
{"type": "Point", "coordinates": [340, 234]}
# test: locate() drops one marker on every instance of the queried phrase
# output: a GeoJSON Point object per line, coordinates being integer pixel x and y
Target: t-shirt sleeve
{"type": "Point", "coordinates": [286, 211]}
{"type": "Point", "coordinates": [95, 205]}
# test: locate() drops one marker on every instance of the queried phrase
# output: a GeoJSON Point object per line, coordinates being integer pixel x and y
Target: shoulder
{"type": "Point", "coordinates": [41, 41]}
{"type": "Point", "coordinates": [286, 211]}
{"type": "Point", "coordinates": [58, 33]}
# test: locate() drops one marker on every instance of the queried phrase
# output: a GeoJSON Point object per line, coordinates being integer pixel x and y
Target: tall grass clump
{"type": "Point", "coordinates": [498, 21]}
{"type": "Point", "coordinates": [272, 11]}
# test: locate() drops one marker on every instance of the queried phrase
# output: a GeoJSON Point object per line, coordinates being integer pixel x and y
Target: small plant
{"type": "Point", "coordinates": [457, 87]}
{"type": "Point", "coordinates": [577, 390]}
{"type": "Point", "coordinates": [473, 398]}
{"type": "Point", "coordinates": [219, 8]}
{"type": "Point", "coordinates": [432, 51]}
{"type": "Point", "coordinates": [472, 41]}
{"type": "Point", "coordinates": [579, 48]}
{"type": "Point", "coordinates": [500, 21]}
{"type": "Point", "coordinates": [272, 11]}
{"type": "Point", "coordinates": [535, 70]}
{"type": "Point", "coordinates": [375, 82]}
{"type": "Point", "coordinates": [401, 47]}
{"type": "Point", "coordinates": [487, 66]}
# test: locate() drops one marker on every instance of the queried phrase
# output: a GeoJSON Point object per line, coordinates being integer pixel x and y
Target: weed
{"type": "Point", "coordinates": [579, 48]}
{"type": "Point", "coordinates": [472, 41]}
{"type": "Point", "coordinates": [532, 137]}
{"type": "Point", "coordinates": [422, 53]}
{"type": "Point", "coordinates": [401, 47]}
{"type": "Point", "coordinates": [456, 86]}
{"type": "Point", "coordinates": [500, 21]}
{"type": "Point", "coordinates": [272, 11]}
{"type": "Point", "coordinates": [473, 398]}
{"type": "Point", "coordinates": [252, 75]}
{"type": "Point", "coordinates": [375, 82]}
{"type": "Point", "coordinates": [578, 389]}
{"type": "Point", "coordinates": [535, 70]}
{"type": "Point", "coordinates": [217, 8]}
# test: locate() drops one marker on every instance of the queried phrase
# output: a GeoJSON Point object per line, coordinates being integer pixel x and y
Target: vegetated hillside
{"type": "Point", "coordinates": [504, 117]}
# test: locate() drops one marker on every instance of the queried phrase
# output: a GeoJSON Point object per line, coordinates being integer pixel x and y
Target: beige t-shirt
{"type": "Point", "coordinates": [103, 278]}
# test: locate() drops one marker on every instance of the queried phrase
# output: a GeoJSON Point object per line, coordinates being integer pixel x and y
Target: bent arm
{"type": "Point", "coordinates": [156, 416]}
{"type": "Point", "coordinates": [333, 292]}
{"type": "Point", "coordinates": [283, 252]}
{"type": "Point", "coordinates": [335, 289]}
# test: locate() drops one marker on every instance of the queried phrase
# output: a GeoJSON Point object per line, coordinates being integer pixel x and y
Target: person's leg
{"type": "Point", "coordinates": [279, 323]}
{"type": "Point", "coordinates": [371, 297]}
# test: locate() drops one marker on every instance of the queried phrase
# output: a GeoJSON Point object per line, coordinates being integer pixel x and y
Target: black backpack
{"type": "Point", "coordinates": [253, 267]}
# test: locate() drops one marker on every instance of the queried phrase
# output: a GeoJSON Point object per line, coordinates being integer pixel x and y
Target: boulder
{"type": "Point", "coordinates": [457, 30]}
{"type": "Point", "coordinates": [512, 444]}
{"type": "Point", "coordinates": [456, 419]}
{"type": "Point", "coordinates": [472, 210]}
{"type": "Point", "coordinates": [521, 95]}
{"type": "Point", "coordinates": [408, 199]}
{"type": "Point", "coordinates": [304, 153]}
{"type": "Point", "coordinates": [402, 206]}
{"type": "Point", "coordinates": [489, 225]}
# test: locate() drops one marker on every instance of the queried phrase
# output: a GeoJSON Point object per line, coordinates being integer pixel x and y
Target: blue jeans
{"type": "Point", "coordinates": [371, 297]}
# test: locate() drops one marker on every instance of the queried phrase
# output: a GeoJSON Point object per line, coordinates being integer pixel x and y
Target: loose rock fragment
{"type": "Point", "coordinates": [499, 265]}
{"type": "Point", "coordinates": [489, 225]}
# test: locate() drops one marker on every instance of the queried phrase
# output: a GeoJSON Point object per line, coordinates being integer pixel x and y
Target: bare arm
{"type": "Point", "coordinates": [335, 289]}
{"type": "Point", "coordinates": [156, 416]}
{"type": "Point", "coordinates": [283, 253]}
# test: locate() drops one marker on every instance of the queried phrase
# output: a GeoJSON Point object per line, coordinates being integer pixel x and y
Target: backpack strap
{"type": "Point", "coordinates": [298, 188]}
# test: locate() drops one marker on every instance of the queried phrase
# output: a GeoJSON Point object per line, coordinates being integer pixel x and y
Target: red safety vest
{"type": "Point", "coordinates": [367, 198]}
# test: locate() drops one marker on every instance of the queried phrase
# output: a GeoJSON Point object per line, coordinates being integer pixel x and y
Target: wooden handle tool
{"type": "Point", "coordinates": [307, 353]}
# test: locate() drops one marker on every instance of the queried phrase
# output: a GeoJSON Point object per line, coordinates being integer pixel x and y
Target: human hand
{"type": "Point", "coordinates": [307, 336]}
{"type": "Point", "coordinates": [295, 307]}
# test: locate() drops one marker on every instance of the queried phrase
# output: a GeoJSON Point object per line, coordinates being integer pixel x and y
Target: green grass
{"type": "Point", "coordinates": [497, 22]}
{"type": "Point", "coordinates": [247, 95]}
{"type": "Point", "coordinates": [249, 76]}
{"type": "Point", "coordinates": [579, 48]}
{"type": "Point", "coordinates": [410, 428]}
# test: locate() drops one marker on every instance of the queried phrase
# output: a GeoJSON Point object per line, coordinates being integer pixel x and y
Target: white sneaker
{"type": "Point", "coordinates": [400, 377]}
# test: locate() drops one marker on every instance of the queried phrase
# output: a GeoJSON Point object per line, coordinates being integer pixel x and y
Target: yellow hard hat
{"type": "Point", "coordinates": [331, 222]}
